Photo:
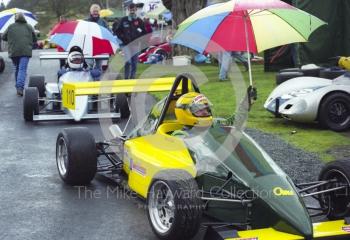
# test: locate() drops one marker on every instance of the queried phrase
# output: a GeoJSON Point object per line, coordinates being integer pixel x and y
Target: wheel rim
{"type": "Point", "coordinates": [337, 201]}
{"type": "Point", "coordinates": [161, 207]}
{"type": "Point", "coordinates": [339, 112]}
{"type": "Point", "coordinates": [62, 156]}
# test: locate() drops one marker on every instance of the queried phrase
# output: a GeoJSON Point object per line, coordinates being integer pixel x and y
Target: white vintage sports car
{"type": "Point", "coordinates": [313, 99]}
{"type": "Point", "coordinates": [42, 101]}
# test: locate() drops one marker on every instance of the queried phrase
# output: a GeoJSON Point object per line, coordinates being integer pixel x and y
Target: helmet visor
{"type": "Point", "coordinates": [76, 59]}
{"type": "Point", "coordinates": [200, 110]}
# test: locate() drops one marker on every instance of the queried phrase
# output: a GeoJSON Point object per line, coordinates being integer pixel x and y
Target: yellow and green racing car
{"type": "Point", "coordinates": [189, 167]}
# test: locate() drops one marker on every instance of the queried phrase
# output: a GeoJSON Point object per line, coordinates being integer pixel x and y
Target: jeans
{"type": "Point", "coordinates": [20, 65]}
{"type": "Point", "coordinates": [225, 63]}
{"type": "Point", "coordinates": [131, 59]}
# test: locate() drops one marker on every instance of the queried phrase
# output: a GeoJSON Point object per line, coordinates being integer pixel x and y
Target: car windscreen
{"type": "Point", "coordinates": [149, 123]}
{"type": "Point", "coordinates": [219, 150]}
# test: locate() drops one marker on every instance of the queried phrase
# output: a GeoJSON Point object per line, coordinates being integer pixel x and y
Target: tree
{"type": "Point", "coordinates": [59, 7]}
{"type": "Point", "coordinates": [182, 9]}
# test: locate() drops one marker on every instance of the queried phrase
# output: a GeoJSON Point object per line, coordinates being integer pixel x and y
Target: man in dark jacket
{"type": "Point", "coordinates": [20, 37]}
{"type": "Point", "coordinates": [130, 28]}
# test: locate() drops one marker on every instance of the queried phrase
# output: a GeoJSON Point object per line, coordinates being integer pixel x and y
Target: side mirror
{"type": "Point", "coordinates": [116, 131]}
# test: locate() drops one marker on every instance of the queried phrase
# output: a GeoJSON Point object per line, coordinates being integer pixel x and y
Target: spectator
{"type": "Point", "coordinates": [148, 25]}
{"type": "Point", "coordinates": [95, 17]}
{"type": "Point", "coordinates": [115, 25]}
{"type": "Point", "coordinates": [20, 37]}
{"type": "Point", "coordinates": [226, 60]}
{"type": "Point", "coordinates": [130, 28]}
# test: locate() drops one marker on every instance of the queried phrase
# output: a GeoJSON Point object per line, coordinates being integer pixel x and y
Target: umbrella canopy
{"type": "Point", "coordinates": [156, 12]}
{"type": "Point", "coordinates": [91, 37]}
{"type": "Point", "coordinates": [268, 23]}
{"type": "Point", "coordinates": [246, 25]}
{"type": "Point", "coordinates": [7, 17]}
{"type": "Point", "coordinates": [106, 12]}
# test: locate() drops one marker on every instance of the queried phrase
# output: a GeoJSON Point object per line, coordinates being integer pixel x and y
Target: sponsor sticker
{"type": "Point", "coordinates": [278, 191]}
{"type": "Point", "coordinates": [139, 169]}
{"type": "Point", "coordinates": [346, 229]}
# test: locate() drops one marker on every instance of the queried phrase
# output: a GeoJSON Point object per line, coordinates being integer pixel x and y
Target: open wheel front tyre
{"type": "Point", "coordinates": [30, 103]}
{"type": "Point", "coordinates": [337, 202]}
{"type": "Point", "coordinates": [2, 64]}
{"type": "Point", "coordinates": [174, 207]}
{"type": "Point", "coordinates": [76, 156]}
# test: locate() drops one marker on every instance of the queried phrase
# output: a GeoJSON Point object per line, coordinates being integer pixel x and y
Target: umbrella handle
{"type": "Point", "coordinates": [248, 50]}
{"type": "Point", "coordinates": [252, 94]}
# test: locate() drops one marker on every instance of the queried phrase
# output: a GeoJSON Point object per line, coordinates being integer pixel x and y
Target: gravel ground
{"type": "Point", "coordinates": [301, 166]}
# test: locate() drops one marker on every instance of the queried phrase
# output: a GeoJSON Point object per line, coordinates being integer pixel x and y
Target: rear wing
{"type": "Point", "coordinates": [324, 230]}
{"type": "Point", "coordinates": [71, 90]}
{"type": "Point", "coordinates": [64, 55]}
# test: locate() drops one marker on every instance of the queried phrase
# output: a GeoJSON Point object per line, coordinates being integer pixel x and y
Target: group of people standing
{"type": "Point", "coordinates": [21, 37]}
{"type": "Point", "coordinates": [127, 29]}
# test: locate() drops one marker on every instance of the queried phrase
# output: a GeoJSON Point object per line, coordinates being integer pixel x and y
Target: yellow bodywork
{"type": "Point", "coordinates": [321, 230]}
{"type": "Point", "coordinates": [70, 90]}
{"type": "Point", "coordinates": [145, 156]}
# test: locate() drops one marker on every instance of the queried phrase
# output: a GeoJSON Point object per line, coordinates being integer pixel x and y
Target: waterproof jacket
{"type": "Point", "coordinates": [20, 37]}
{"type": "Point", "coordinates": [98, 20]}
{"type": "Point", "coordinates": [130, 29]}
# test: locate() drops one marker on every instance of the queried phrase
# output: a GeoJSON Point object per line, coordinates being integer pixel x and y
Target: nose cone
{"type": "Point", "coordinates": [81, 104]}
{"type": "Point", "coordinates": [279, 206]}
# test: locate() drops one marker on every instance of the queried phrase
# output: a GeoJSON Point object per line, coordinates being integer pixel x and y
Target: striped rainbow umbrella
{"type": "Point", "coordinates": [89, 36]}
{"type": "Point", "coordinates": [246, 25]}
{"type": "Point", "coordinates": [7, 17]}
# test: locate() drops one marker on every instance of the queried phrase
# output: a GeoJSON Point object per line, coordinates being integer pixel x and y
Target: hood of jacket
{"type": "Point", "coordinates": [20, 18]}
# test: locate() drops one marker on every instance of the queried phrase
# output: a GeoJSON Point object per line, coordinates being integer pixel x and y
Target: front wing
{"type": "Point", "coordinates": [68, 117]}
{"type": "Point", "coordinates": [324, 230]}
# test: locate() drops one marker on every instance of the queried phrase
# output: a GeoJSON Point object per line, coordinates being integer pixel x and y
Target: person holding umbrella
{"type": "Point", "coordinates": [20, 37]}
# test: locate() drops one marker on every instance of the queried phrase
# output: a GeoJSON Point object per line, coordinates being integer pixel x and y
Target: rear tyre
{"type": "Point", "coordinates": [315, 72]}
{"type": "Point", "coordinates": [38, 81]}
{"type": "Point", "coordinates": [76, 156]}
{"type": "Point", "coordinates": [334, 112]}
{"type": "Point", "coordinates": [2, 64]}
{"type": "Point", "coordinates": [331, 74]}
{"type": "Point", "coordinates": [174, 208]}
{"type": "Point", "coordinates": [122, 106]}
{"type": "Point", "coordinates": [290, 70]}
{"type": "Point", "coordinates": [285, 76]}
{"type": "Point", "coordinates": [337, 201]}
{"type": "Point", "coordinates": [30, 103]}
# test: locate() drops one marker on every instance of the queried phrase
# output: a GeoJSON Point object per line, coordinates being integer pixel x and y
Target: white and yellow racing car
{"type": "Point", "coordinates": [42, 100]}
